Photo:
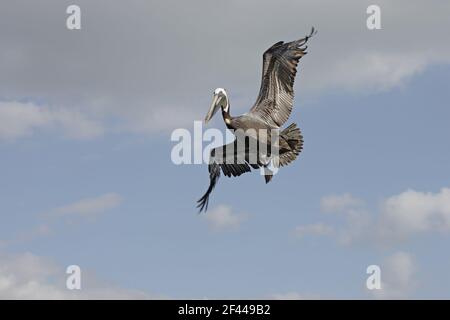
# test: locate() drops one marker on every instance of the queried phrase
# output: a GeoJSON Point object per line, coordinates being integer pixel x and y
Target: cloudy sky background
{"type": "Point", "coordinates": [85, 124]}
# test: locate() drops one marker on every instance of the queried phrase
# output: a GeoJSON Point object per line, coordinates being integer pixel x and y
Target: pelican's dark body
{"type": "Point", "coordinates": [263, 122]}
{"type": "Point", "coordinates": [248, 122]}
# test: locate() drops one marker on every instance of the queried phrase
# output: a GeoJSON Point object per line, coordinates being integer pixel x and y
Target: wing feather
{"type": "Point", "coordinates": [229, 158]}
{"type": "Point", "coordinates": [276, 95]}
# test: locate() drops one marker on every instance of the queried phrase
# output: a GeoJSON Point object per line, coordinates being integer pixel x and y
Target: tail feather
{"type": "Point", "coordinates": [294, 139]}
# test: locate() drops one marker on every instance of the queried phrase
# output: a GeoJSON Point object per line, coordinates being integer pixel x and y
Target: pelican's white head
{"type": "Point", "coordinates": [220, 100]}
{"type": "Point", "coordinates": [220, 91]}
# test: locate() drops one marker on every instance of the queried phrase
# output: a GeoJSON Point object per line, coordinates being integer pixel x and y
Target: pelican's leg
{"type": "Point", "coordinates": [265, 167]}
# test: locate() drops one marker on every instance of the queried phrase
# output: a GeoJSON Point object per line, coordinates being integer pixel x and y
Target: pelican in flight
{"type": "Point", "coordinates": [270, 111]}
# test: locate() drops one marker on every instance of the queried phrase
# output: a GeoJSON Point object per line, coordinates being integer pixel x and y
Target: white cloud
{"type": "Point", "coordinates": [19, 119]}
{"type": "Point", "coordinates": [90, 206]}
{"type": "Point", "coordinates": [360, 60]}
{"type": "Point", "coordinates": [158, 119]}
{"type": "Point", "coordinates": [357, 219]}
{"type": "Point", "coordinates": [317, 229]}
{"type": "Point", "coordinates": [27, 276]}
{"type": "Point", "coordinates": [158, 87]}
{"type": "Point", "coordinates": [222, 218]}
{"type": "Point", "coordinates": [339, 203]}
{"type": "Point", "coordinates": [40, 230]}
{"type": "Point", "coordinates": [22, 119]}
{"type": "Point", "coordinates": [372, 70]}
{"type": "Point", "coordinates": [397, 277]}
{"type": "Point", "coordinates": [416, 212]}
{"type": "Point", "coordinates": [398, 218]}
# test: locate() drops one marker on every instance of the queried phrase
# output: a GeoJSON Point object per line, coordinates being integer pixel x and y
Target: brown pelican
{"type": "Point", "coordinates": [270, 111]}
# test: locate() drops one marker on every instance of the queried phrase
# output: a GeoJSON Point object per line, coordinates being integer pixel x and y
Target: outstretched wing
{"type": "Point", "coordinates": [232, 159]}
{"type": "Point", "coordinates": [276, 95]}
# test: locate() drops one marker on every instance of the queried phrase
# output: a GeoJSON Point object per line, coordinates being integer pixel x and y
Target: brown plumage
{"type": "Point", "coordinates": [276, 95]}
{"type": "Point", "coordinates": [270, 111]}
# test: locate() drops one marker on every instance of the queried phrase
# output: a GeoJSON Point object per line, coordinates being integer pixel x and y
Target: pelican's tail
{"type": "Point", "coordinates": [294, 139]}
{"type": "Point", "coordinates": [291, 143]}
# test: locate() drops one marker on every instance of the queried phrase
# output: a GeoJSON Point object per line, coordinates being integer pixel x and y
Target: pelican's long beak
{"type": "Point", "coordinates": [213, 109]}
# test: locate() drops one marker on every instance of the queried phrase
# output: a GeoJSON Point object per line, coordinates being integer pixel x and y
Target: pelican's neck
{"type": "Point", "coordinates": [226, 112]}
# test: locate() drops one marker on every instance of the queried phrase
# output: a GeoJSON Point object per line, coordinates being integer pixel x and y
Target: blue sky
{"type": "Point", "coordinates": [88, 179]}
